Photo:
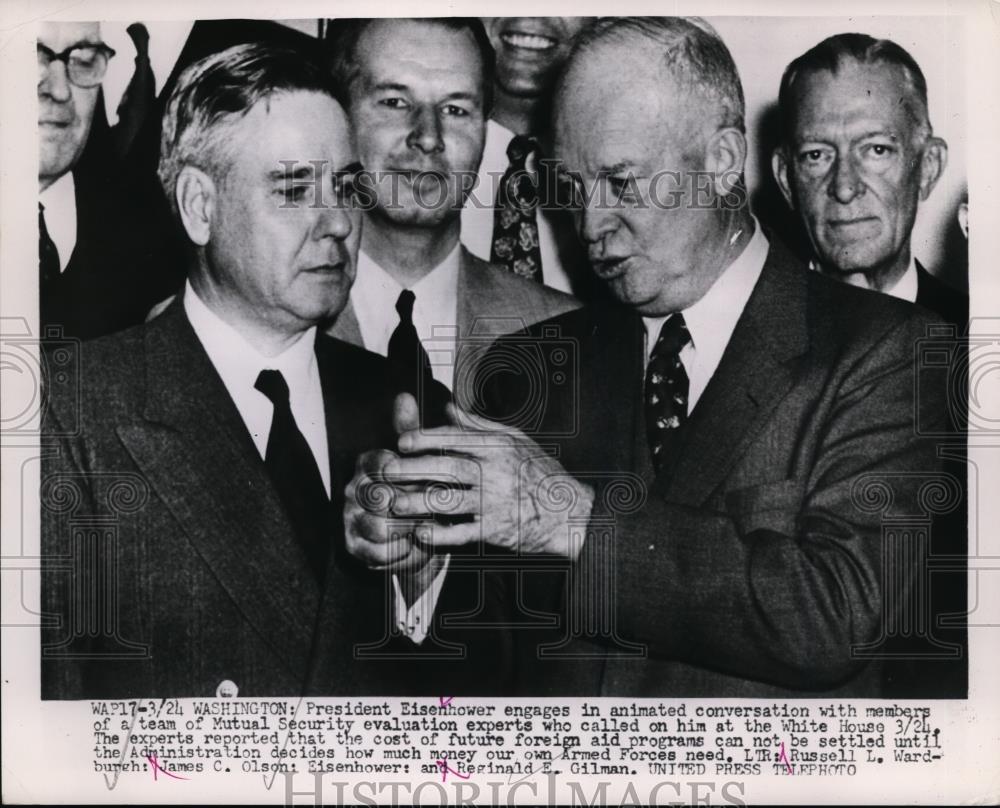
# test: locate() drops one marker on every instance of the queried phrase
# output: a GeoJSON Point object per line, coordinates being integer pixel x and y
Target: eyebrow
{"type": "Point", "coordinates": [813, 137]}
{"type": "Point", "coordinates": [459, 95]}
{"type": "Point", "coordinates": [304, 171]}
{"type": "Point", "coordinates": [284, 174]}
{"type": "Point", "coordinates": [80, 43]}
{"type": "Point", "coordinates": [391, 85]}
{"type": "Point", "coordinates": [621, 165]}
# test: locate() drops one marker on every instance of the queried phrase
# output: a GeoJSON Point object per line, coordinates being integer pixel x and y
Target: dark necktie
{"type": "Point", "coordinates": [666, 386]}
{"type": "Point", "coordinates": [48, 253]}
{"type": "Point", "coordinates": [293, 470]}
{"type": "Point", "coordinates": [515, 218]}
{"type": "Point", "coordinates": [140, 95]}
{"type": "Point", "coordinates": [410, 367]}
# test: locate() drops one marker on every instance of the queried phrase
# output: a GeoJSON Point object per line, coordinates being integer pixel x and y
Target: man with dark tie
{"type": "Point", "coordinates": [101, 262]}
{"type": "Point", "coordinates": [192, 501]}
{"type": "Point", "coordinates": [858, 156]}
{"type": "Point", "coordinates": [710, 476]}
{"type": "Point", "coordinates": [512, 221]}
{"type": "Point", "coordinates": [420, 92]}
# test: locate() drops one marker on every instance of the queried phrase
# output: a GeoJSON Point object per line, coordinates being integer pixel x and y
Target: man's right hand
{"type": "Point", "coordinates": [374, 536]}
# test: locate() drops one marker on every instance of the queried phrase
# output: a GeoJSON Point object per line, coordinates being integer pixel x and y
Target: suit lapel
{"type": "Point", "coordinates": [756, 371]}
{"type": "Point", "coordinates": [199, 459]}
{"type": "Point", "coordinates": [471, 292]}
{"type": "Point", "coordinates": [613, 350]}
{"type": "Point", "coordinates": [358, 404]}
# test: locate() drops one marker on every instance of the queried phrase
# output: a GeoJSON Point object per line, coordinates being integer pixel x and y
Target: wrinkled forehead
{"type": "Point", "coordinates": [869, 93]}
{"type": "Point", "coordinates": [409, 52]}
{"type": "Point", "coordinates": [58, 36]}
{"type": "Point", "coordinates": [613, 100]}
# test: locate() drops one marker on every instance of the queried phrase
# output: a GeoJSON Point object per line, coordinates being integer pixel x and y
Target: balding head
{"type": "Point", "coordinates": [648, 131]}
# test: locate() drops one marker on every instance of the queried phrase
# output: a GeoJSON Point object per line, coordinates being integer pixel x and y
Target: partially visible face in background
{"type": "Point", "coordinates": [65, 111]}
{"type": "Point", "coordinates": [531, 50]}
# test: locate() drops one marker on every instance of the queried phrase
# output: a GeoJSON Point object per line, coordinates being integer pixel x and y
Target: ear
{"type": "Point", "coordinates": [963, 218]}
{"type": "Point", "coordinates": [725, 159]}
{"type": "Point", "coordinates": [195, 195]}
{"type": "Point", "coordinates": [779, 167]}
{"type": "Point", "coordinates": [932, 165]}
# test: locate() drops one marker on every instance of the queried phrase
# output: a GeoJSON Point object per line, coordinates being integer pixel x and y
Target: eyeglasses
{"type": "Point", "coordinates": [85, 64]}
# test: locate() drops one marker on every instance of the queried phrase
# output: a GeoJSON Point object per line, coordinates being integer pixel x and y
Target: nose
{"type": "Point", "coordinates": [595, 221]}
{"type": "Point", "coordinates": [335, 221]}
{"type": "Point", "coordinates": [55, 82]}
{"type": "Point", "coordinates": [846, 183]}
{"type": "Point", "coordinates": [425, 130]}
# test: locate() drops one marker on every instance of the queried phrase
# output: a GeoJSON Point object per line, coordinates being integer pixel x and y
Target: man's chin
{"type": "Point", "coordinates": [417, 216]}
{"type": "Point", "coordinates": [853, 261]}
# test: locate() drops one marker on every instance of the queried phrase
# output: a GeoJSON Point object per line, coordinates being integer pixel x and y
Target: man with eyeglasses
{"type": "Point", "coordinates": [101, 262]}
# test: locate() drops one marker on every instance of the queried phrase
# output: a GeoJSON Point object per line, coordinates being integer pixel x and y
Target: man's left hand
{"type": "Point", "coordinates": [517, 495]}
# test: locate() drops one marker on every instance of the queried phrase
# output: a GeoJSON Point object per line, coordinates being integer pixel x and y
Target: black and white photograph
{"type": "Point", "coordinates": [545, 408]}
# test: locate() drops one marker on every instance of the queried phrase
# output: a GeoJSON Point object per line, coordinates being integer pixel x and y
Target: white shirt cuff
{"type": "Point", "coordinates": [416, 621]}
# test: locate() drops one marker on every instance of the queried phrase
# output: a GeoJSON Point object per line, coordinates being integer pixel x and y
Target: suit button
{"type": "Point", "coordinates": [227, 689]}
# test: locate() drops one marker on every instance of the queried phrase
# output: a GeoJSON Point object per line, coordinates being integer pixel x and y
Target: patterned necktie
{"type": "Point", "coordinates": [666, 386]}
{"type": "Point", "coordinates": [410, 367]}
{"type": "Point", "coordinates": [515, 218]}
{"type": "Point", "coordinates": [48, 253]}
{"type": "Point", "coordinates": [140, 95]}
{"type": "Point", "coordinates": [292, 468]}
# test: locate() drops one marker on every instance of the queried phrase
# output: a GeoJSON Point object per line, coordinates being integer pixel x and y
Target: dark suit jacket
{"type": "Point", "coordinates": [935, 295]}
{"type": "Point", "coordinates": [170, 565]}
{"type": "Point", "coordinates": [123, 263]}
{"type": "Point", "coordinates": [491, 302]}
{"type": "Point", "coordinates": [752, 565]}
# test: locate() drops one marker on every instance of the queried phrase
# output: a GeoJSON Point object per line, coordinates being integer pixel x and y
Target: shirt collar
{"type": "Point", "coordinates": [59, 201]}
{"type": "Point", "coordinates": [712, 319]}
{"type": "Point", "coordinates": [236, 360]}
{"type": "Point", "coordinates": [436, 292]}
{"type": "Point", "coordinates": [905, 288]}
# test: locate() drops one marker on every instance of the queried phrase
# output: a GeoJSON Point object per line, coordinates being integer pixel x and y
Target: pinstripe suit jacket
{"type": "Point", "coordinates": [754, 563]}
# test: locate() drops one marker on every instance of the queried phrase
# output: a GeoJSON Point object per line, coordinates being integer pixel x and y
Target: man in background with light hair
{"type": "Point", "coordinates": [858, 156]}
{"type": "Point", "coordinates": [102, 263]}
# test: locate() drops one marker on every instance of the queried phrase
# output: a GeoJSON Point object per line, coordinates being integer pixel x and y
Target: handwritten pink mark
{"type": "Point", "coordinates": [445, 769]}
{"type": "Point", "coordinates": [783, 756]}
{"type": "Point", "coordinates": [158, 768]}
{"type": "Point", "coordinates": [444, 701]}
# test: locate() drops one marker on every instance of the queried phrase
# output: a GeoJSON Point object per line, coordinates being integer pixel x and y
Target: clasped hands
{"type": "Point", "coordinates": [471, 480]}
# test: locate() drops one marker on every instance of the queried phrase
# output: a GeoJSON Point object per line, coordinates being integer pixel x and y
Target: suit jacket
{"type": "Point", "coordinates": [491, 302]}
{"type": "Point", "coordinates": [752, 564]}
{"type": "Point", "coordinates": [170, 566]}
{"type": "Point", "coordinates": [124, 262]}
{"type": "Point", "coordinates": [935, 295]}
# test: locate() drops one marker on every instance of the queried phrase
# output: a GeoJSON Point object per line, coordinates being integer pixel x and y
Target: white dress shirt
{"type": "Point", "coordinates": [477, 215]}
{"type": "Point", "coordinates": [905, 288]}
{"type": "Point", "coordinates": [59, 201]}
{"type": "Point", "coordinates": [435, 318]}
{"type": "Point", "coordinates": [712, 319]}
{"type": "Point", "coordinates": [435, 310]}
{"type": "Point", "coordinates": [238, 364]}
